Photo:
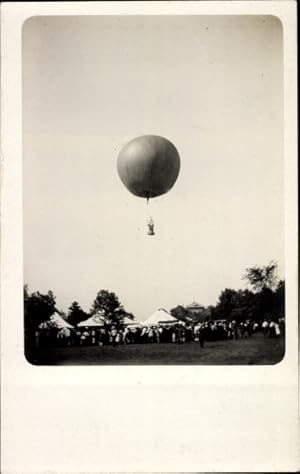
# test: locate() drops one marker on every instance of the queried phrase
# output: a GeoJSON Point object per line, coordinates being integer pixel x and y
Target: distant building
{"type": "Point", "coordinates": [199, 312]}
{"type": "Point", "coordinates": [195, 308]}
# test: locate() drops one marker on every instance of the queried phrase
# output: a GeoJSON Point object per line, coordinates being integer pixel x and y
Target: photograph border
{"type": "Point", "coordinates": [272, 441]}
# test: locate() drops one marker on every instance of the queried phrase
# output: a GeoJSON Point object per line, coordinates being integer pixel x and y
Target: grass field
{"type": "Point", "coordinates": [249, 351]}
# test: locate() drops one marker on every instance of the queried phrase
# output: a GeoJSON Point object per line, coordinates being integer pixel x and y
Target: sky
{"type": "Point", "coordinates": [213, 86]}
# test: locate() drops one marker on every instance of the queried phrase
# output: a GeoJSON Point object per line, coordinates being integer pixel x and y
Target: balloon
{"type": "Point", "coordinates": [148, 166]}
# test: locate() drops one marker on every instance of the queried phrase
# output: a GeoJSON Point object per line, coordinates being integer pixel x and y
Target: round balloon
{"type": "Point", "coordinates": [148, 166]}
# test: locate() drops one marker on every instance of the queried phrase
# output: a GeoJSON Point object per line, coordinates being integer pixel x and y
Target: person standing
{"type": "Point", "coordinates": [37, 338]}
{"type": "Point", "coordinates": [265, 326]}
{"type": "Point", "coordinates": [272, 328]}
{"type": "Point", "coordinates": [201, 336]}
{"type": "Point", "coordinates": [151, 335]}
{"type": "Point", "coordinates": [182, 334]}
{"type": "Point", "coordinates": [277, 329]}
{"type": "Point", "coordinates": [235, 330]}
{"type": "Point", "coordinates": [113, 334]}
{"type": "Point", "coordinates": [118, 338]}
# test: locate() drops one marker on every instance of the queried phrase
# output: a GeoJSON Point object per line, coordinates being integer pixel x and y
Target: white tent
{"type": "Point", "coordinates": [130, 322]}
{"type": "Point", "coordinates": [55, 321]}
{"type": "Point", "coordinates": [160, 316]}
{"type": "Point", "coordinates": [93, 321]}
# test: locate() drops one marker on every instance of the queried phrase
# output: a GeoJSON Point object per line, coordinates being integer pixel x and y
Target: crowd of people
{"type": "Point", "coordinates": [178, 333]}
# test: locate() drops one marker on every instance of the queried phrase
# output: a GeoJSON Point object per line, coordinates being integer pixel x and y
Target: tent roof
{"type": "Point", "coordinates": [130, 322]}
{"type": "Point", "coordinates": [56, 321]}
{"type": "Point", "coordinates": [160, 316]}
{"type": "Point", "coordinates": [92, 321]}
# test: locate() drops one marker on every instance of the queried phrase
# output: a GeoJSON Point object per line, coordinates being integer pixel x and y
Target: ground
{"type": "Point", "coordinates": [250, 351]}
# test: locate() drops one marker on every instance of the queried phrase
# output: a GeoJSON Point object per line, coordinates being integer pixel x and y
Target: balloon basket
{"type": "Point", "coordinates": [150, 227]}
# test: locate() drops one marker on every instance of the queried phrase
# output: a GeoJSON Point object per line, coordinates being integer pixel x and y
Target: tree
{"type": "Point", "coordinates": [38, 308]}
{"type": "Point", "coordinates": [76, 314]}
{"type": "Point", "coordinates": [226, 304]}
{"type": "Point", "coordinates": [185, 314]}
{"type": "Point", "coordinates": [203, 314]}
{"type": "Point", "coordinates": [261, 278]}
{"type": "Point", "coordinates": [211, 312]}
{"type": "Point", "coordinates": [180, 313]}
{"type": "Point", "coordinates": [244, 305]}
{"type": "Point", "coordinates": [280, 299]}
{"type": "Point", "coordinates": [108, 306]}
{"type": "Point", "coordinates": [264, 283]}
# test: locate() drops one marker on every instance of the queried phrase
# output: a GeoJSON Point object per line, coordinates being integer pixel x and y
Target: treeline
{"type": "Point", "coordinates": [265, 299]}
{"type": "Point", "coordinates": [39, 308]}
